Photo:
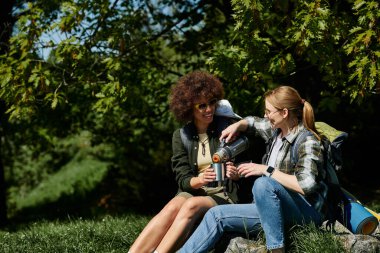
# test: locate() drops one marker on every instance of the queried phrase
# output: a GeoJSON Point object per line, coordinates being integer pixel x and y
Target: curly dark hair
{"type": "Point", "coordinates": [191, 87]}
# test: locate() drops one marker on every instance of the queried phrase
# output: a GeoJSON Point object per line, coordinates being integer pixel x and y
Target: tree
{"type": "Point", "coordinates": [6, 25]}
{"type": "Point", "coordinates": [273, 41]}
{"type": "Point", "coordinates": [105, 67]}
{"type": "Point", "coordinates": [329, 50]}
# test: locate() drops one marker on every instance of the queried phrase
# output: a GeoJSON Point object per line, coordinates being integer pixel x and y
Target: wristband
{"type": "Point", "coordinates": [269, 171]}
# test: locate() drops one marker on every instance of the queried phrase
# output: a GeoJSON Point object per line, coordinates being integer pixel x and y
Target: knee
{"type": "Point", "coordinates": [261, 185]}
{"type": "Point", "coordinates": [214, 213]}
{"type": "Point", "coordinates": [172, 208]}
{"type": "Point", "coordinates": [190, 208]}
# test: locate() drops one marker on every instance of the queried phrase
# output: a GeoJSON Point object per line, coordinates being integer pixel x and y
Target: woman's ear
{"type": "Point", "coordinates": [285, 113]}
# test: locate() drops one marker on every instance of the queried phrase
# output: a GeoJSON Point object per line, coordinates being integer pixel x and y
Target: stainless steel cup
{"type": "Point", "coordinates": [219, 170]}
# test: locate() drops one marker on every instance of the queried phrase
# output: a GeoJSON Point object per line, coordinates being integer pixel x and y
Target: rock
{"type": "Point", "coordinates": [352, 243]}
{"type": "Point", "coordinates": [240, 244]}
{"type": "Point", "coordinates": [360, 243]}
{"type": "Point", "coordinates": [236, 243]}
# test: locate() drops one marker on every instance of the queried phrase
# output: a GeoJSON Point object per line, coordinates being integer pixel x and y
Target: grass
{"type": "Point", "coordinates": [106, 235]}
{"type": "Point", "coordinates": [116, 234]}
{"type": "Point", "coordinates": [312, 239]}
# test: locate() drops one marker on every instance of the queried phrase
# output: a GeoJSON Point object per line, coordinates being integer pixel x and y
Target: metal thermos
{"type": "Point", "coordinates": [228, 151]}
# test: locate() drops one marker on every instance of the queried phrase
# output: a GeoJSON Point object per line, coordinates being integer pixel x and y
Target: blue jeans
{"type": "Point", "coordinates": [274, 208]}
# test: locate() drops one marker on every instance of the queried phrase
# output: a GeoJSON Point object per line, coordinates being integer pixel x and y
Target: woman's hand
{"type": "Point", "coordinates": [288, 181]}
{"type": "Point", "coordinates": [207, 176]}
{"type": "Point", "coordinates": [231, 171]}
{"type": "Point", "coordinates": [232, 130]}
{"type": "Point", "coordinates": [251, 169]}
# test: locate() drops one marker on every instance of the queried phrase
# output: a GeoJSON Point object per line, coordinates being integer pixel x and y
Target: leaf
{"type": "Point", "coordinates": [54, 102]}
{"type": "Point", "coordinates": [358, 4]}
{"type": "Point", "coordinates": [373, 70]}
{"type": "Point", "coordinates": [355, 29]}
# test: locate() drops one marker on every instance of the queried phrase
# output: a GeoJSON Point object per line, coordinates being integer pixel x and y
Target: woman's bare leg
{"type": "Point", "coordinates": [157, 227]}
{"type": "Point", "coordinates": [192, 211]}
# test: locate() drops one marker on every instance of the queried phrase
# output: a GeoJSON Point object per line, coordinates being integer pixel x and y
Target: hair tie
{"type": "Point", "coordinates": [303, 101]}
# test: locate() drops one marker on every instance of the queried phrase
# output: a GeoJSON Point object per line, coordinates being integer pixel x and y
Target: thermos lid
{"type": "Point", "coordinates": [216, 158]}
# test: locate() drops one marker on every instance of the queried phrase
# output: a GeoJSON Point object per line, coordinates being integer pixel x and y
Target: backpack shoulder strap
{"type": "Point", "coordinates": [295, 145]}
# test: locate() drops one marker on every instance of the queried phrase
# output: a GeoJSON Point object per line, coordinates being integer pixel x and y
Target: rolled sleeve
{"type": "Point", "coordinates": [309, 162]}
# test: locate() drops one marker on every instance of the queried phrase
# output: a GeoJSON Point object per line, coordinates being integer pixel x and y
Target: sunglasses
{"type": "Point", "coordinates": [203, 106]}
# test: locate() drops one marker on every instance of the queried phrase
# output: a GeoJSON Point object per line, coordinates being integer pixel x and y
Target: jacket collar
{"type": "Point", "coordinates": [291, 137]}
{"type": "Point", "coordinates": [191, 130]}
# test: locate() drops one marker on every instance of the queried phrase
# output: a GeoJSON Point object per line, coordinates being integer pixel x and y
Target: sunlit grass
{"type": "Point", "coordinates": [106, 235]}
{"type": "Point", "coordinates": [311, 239]}
{"type": "Point", "coordinates": [116, 234]}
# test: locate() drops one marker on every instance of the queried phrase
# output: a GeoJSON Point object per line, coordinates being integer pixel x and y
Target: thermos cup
{"type": "Point", "coordinates": [219, 170]}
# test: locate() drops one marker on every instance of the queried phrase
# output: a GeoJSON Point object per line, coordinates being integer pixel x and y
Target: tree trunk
{"type": "Point", "coordinates": [6, 26]}
{"type": "Point", "coordinates": [3, 189]}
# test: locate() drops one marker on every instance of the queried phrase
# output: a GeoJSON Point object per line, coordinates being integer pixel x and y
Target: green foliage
{"type": "Point", "coordinates": [105, 68]}
{"type": "Point", "coordinates": [76, 177]}
{"type": "Point", "coordinates": [73, 168]}
{"type": "Point", "coordinates": [363, 47]}
{"type": "Point", "coordinates": [102, 67]}
{"type": "Point", "coordinates": [309, 238]}
{"type": "Point", "coordinates": [275, 41]}
{"type": "Point", "coordinates": [105, 235]}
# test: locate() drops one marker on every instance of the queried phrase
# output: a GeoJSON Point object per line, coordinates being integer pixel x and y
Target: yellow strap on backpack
{"type": "Point", "coordinates": [377, 215]}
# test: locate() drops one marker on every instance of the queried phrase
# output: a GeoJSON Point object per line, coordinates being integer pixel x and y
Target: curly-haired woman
{"type": "Point", "coordinates": [193, 100]}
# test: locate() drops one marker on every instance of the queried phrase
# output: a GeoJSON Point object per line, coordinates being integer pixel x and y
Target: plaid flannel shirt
{"type": "Point", "coordinates": [308, 168]}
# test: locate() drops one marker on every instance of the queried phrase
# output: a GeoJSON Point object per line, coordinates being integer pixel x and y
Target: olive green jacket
{"type": "Point", "coordinates": [184, 161]}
